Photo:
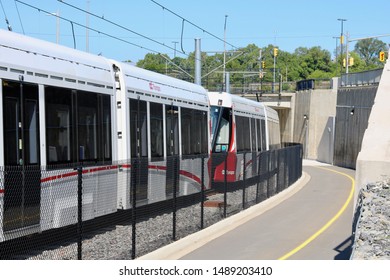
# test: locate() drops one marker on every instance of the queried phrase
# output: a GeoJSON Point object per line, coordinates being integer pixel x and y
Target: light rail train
{"type": "Point", "coordinates": [62, 108]}
{"type": "Point", "coordinates": [239, 126]}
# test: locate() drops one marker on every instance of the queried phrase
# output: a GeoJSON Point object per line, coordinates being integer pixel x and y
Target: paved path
{"type": "Point", "coordinates": [315, 222]}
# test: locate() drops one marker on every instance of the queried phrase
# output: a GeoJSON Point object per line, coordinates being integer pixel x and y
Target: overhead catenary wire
{"type": "Point", "coordinates": [103, 33]}
{"type": "Point", "coordinates": [193, 24]}
{"type": "Point", "coordinates": [182, 33]}
{"type": "Point", "coordinates": [20, 18]}
{"type": "Point", "coordinates": [117, 25]}
{"type": "Point", "coordinates": [204, 31]}
{"type": "Point", "coordinates": [139, 34]}
{"type": "Point", "coordinates": [87, 27]}
{"type": "Point", "coordinates": [115, 37]}
{"type": "Point", "coordinates": [6, 18]}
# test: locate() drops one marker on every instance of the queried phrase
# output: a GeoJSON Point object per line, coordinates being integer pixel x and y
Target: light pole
{"type": "Point", "coordinates": [224, 53]}
{"type": "Point", "coordinates": [341, 41]}
{"type": "Point", "coordinates": [57, 15]}
{"type": "Point", "coordinates": [174, 42]}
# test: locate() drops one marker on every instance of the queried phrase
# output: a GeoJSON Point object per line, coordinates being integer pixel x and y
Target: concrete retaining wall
{"type": "Point", "coordinates": [313, 123]}
{"type": "Point", "coordinates": [373, 162]}
{"type": "Point", "coordinates": [353, 109]}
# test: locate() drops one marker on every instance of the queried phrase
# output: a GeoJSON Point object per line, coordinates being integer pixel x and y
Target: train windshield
{"type": "Point", "coordinates": [220, 128]}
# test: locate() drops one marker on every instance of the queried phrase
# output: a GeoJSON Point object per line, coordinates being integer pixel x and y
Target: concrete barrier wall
{"type": "Point", "coordinates": [315, 131]}
{"type": "Point", "coordinates": [373, 161]}
{"type": "Point", "coordinates": [352, 112]}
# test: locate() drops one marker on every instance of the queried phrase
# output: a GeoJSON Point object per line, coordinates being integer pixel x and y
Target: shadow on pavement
{"type": "Point", "coordinates": [344, 249]}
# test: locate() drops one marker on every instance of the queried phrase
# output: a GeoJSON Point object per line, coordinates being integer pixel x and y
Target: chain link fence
{"type": "Point", "coordinates": [128, 209]}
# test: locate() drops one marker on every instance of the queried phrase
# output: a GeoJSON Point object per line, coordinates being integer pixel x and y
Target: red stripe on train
{"type": "Point", "coordinates": [93, 170]}
{"type": "Point", "coordinates": [74, 173]}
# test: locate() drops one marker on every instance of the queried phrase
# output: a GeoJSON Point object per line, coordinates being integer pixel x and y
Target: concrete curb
{"type": "Point", "coordinates": [194, 241]}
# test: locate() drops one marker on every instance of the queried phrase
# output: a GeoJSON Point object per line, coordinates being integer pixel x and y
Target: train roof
{"type": "Point", "coordinates": [238, 103]}
{"type": "Point", "coordinates": [49, 63]}
{"type": "Point", "coordinates": [52, 64]}
{"type": "Point", "coordinates": [138, 79]}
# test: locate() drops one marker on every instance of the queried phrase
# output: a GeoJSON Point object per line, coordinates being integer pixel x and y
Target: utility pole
{"type": "Point", "coordinates": [224, 54]}
{"type": "Point", "coordinates": [347, 56]}
{"type": "Point", "coordinates": [57, 15]}
{"type": "Point", "coordinates": [261, 74]}
{"type": "Point", "coordinates": [174, 42]}
{"type": "Point", "coordinates": [198, 63]}
{"type": "Point", "coordinates": [341, 42]}
{"type": "Point", "coordinates": [275, 54]}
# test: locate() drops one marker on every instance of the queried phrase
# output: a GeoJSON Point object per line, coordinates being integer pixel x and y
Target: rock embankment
{"type": "Point", "coordinates": [372, 234]}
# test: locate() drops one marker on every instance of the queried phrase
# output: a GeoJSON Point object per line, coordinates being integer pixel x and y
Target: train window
{"type": "Point", "coordinates": [258, 132]}
{"type": "Point", "coordinates": [138, 128]}
{"type": "Point", "coordinates": [263, 133]}
{"type": "Point", "coordinates": [31, 132]}
{"type": "Point", "coordinates": [106, 131]}
{"type": "Point", "coordinates": [20, 112]}
{"type": "Point", "coordinates": [253, 134]}
{"type": "Point", "coordinates": [198, 124]}
{"type": "Point", "coordinates": [59, 125]}
{"type": "Point", "coordinates": [193, 131]}
{"type": "Point", "coordinates": [78, 126]}
{"type": "Point", "coordinates": [11, 134]}
{"type": "Point", "coordinates": [186, 121]}
{"type": "Point", "coordinates": [220, 128]}
{"type": "Point", "coordinates": [156, 130]}
{"type": "Point", "coordinates": [202, 127]}
{"type": "Point", "coordinates": [242, 129]}
{"type": "Point", "coordinates": [87, 126]}
{"type": "Point", "coordinates": [172, 129]}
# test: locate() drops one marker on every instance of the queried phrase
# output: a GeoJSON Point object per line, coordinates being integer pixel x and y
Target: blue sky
{"type": "Point", "coordinates": [287, 24]}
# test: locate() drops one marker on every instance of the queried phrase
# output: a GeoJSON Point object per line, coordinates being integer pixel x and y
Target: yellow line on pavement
{"type": "Point", "coordinates": [330, 222]}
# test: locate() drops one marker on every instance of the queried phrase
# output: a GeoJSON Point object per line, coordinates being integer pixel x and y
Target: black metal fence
{"type": "Point", "coordinates": [76, 215]}
{"type": "Point", "coordinates": [313, 84]}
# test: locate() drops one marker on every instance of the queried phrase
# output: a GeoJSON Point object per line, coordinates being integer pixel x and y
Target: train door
{"type": "Point", "coordinates": [139, 147]}
{"type": "Point", "coordinates": [254, 146]}
{"type": "Point", "coordinates": [22, 176]}
{"type": "Point", "coordinates": [173, 161]}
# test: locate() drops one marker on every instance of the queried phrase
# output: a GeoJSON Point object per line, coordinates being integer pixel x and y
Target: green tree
{"type": "Point", "coordinates": [368, 50]}
{"type": "Point", "coordinates": [303, 63]}
{"type": "Point", "coordinates": [153, 62]}
{"type": "Point", "coordinates": [313, 59]}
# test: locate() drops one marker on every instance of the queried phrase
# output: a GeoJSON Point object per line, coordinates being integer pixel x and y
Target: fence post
{"type": "Point", "coordinates": [225, 184]}
{"type": "Point", "coordinates": [268, 163]}
{"type": "Point", "coordinates": [278, 174]}
{"type": "Point", "coordinates": [202, 189]}
{"type": "Point", "coordinates": [133, 188]}
{"type": "Point", "coordinates": [244, 182]}
{"type": "Point", "coordinates": [176, 166]}
{"type": "Point", "coordinates": [258, 178]}
{"type": "Point", "coordinates": [79, 211]}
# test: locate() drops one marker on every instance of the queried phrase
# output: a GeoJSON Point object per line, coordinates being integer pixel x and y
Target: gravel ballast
{"type": "Point", "coordinates": [372, 235]}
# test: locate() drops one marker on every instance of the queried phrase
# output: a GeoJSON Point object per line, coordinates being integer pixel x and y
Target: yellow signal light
{"type": "Point", "coordinates": [382, 56]}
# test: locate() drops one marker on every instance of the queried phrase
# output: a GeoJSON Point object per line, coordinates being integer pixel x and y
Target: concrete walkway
{"type": "Point", "coordinates": [310, 220]}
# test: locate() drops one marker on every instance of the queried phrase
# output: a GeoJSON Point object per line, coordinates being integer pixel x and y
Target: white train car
{"type": "Point", "coordinates": [57, 109]}
{"type": "Point", "coordinates": [160, 120]}
{"type": "Point", "coordinates": [63, 108]}
{"type": "Point", "coordinates": [238, 126]}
